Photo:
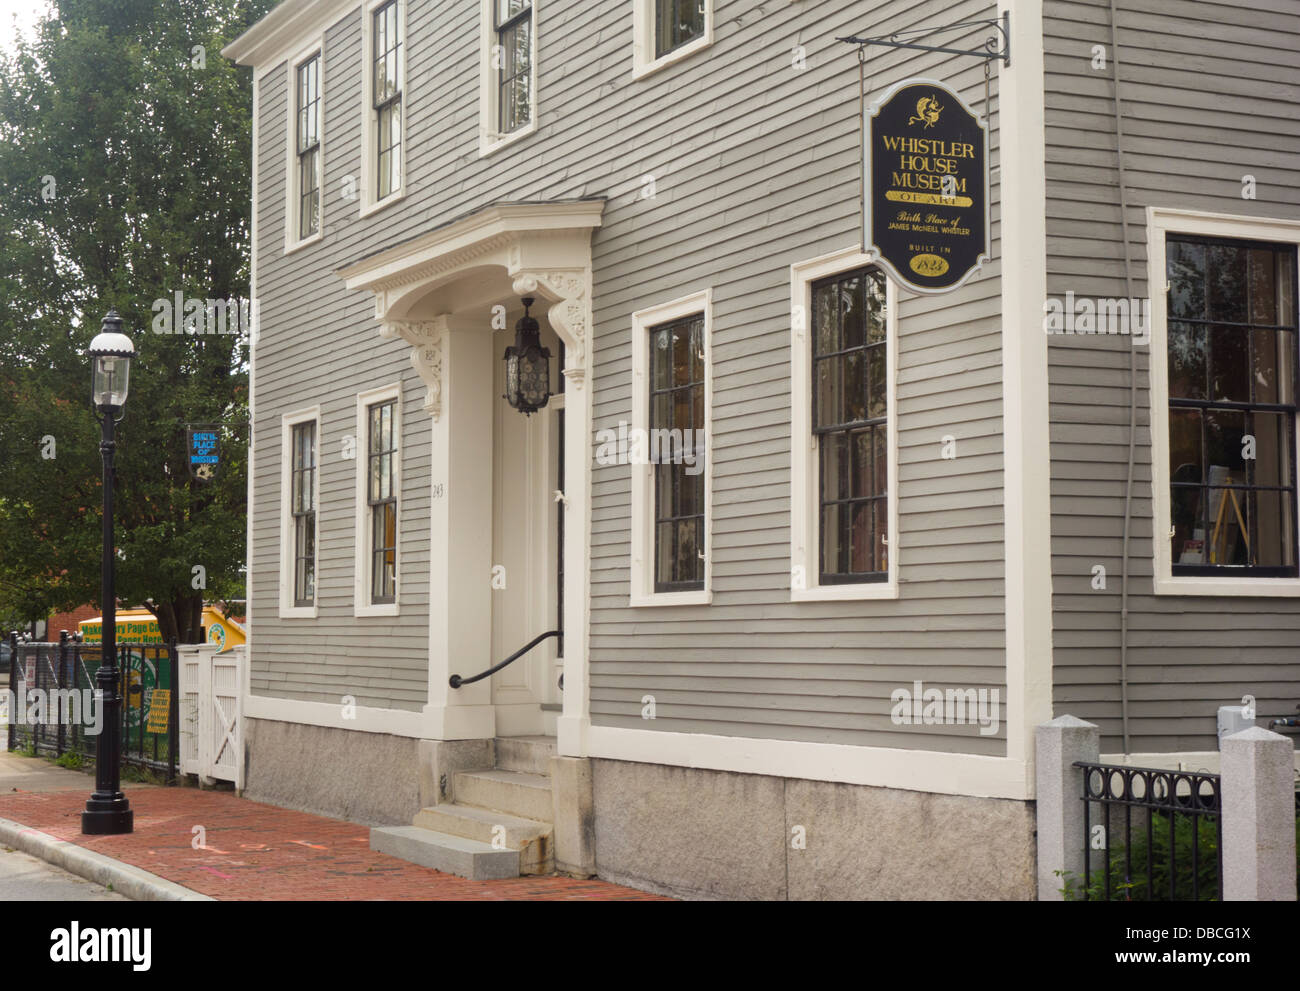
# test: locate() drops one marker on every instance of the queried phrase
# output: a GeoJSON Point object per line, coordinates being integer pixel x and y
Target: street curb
{"type": "Point", "coordinates": [133, 882]}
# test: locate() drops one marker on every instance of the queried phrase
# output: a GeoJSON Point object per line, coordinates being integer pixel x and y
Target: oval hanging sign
{"type": "Point", "coordinates": [927, 187]}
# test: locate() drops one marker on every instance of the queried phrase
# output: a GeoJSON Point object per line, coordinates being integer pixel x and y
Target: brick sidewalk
{"type": "Point", "coordinates": [258, 852]}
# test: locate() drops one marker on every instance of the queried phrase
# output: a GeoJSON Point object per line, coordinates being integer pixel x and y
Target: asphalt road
{"type": "Point", "coordinates": [26, 879]}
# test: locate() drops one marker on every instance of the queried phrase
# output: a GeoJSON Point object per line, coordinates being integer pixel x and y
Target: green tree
{"type": "Point", "coordinates": [124, 147]}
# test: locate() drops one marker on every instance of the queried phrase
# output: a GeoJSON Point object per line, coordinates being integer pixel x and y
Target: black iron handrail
{"type": "Point", "coordinates": [456, 680]}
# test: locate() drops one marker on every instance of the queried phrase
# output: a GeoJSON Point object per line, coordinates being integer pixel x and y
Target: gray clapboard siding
{"type": "Point", "coordinates": [1209, 94]}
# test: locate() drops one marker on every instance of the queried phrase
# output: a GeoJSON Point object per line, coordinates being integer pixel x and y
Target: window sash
{"type": "Point", "coordinates": [850, 402]}
{"type": "Point", "coordinates": [386, 97]}
{"type": "Point", "coordinates": [303, 513]}
{"type": "Point", "coordinates": [1205, 505]}
{"type": "Point", "coordinates": [677, 23]}
{"type": "Point", "coordinates": [514, 77]}
{"type": "Point", "coordinates": [676, 399]}
{"type": "Point", "coordinates": [307, 139]}
{"type": "Point", "coordinates": [381, 497]}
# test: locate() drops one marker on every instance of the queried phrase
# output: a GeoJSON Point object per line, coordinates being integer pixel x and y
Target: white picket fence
{"type": "Point", "coordinates": [212, 739]}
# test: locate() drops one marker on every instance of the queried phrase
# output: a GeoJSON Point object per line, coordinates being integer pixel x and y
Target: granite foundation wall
{"type": "Point", "coordinates": [705, 834]}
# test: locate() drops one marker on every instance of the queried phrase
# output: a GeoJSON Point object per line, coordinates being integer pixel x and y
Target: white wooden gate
{"type": "Point", "coordinates": [212, 738]}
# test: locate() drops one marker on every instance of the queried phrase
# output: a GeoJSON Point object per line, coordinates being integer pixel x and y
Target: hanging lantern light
{"type": "Point", "coordinates": [528, 366]}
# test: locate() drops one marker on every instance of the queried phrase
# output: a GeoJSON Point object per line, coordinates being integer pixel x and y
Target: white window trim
{"type": "Point", "coordinates": [1160, 222]}
{"type": "Point", "coordinates": [292, 242]}
{"type": "Point", "coordinates": [362, 606]}
{"type": "Point", "coordinates": [642, 569]}
{"type": "Point", "coordinates": [287, 422]}
{"type": "Point", "coordinates": [369, 121]}
{"type": "Point", "coordinates": [643, 39]}
{"type": "Point", "coordinates": [491, 140]}
{"type": "Point", "coordinates": [804, 522]}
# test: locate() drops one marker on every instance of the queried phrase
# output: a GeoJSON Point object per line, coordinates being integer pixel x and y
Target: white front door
{"type": "Point", "coordinates": [525, 604]}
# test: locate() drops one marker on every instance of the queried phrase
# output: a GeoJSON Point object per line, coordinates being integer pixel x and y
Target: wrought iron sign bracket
{"type": "Point", "coordinates": [994, 48]}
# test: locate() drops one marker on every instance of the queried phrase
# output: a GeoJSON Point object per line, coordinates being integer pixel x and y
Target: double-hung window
{"type": "Point", "coordinates": [676, 419]}
{"type": "Point", "coordinates": [514, 30]}
{"type": "Point", "coordinates": [507, 73]}
{"type": "Point", "coordinates": [844, 515]}
{"type": "Point", "coordinates": [308, 146]}
{"type": "Point", "coordinates": [378, 498]}
{"type": "Point", "coordinates": [381, 501]}
{"type": "Point", "coordinates": [665, 31]}
{"type": "Point", "coordinates": [851, 423]}
{"type": "Point", "coordinates": [385, 69]}
{"type": "Point", "coordinates": [303, 511]}
{"type": "Point", "coordinates": [668, 448]}
{"type": "Point", "coordinates": [1231, 338]}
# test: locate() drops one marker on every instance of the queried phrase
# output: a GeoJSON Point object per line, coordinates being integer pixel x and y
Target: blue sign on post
{"type": "Point", "coordinates": [204, 450]}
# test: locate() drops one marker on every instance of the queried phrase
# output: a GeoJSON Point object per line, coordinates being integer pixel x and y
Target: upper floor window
{"type": "Point", "coordinates": [677, 22]}
{"type": "Point", "coordinates": [515, 51]}
{"type": "Point", "coordinates": [508, 72]}
{"type": "Point", "coordinates": [844, 431]}
{"type": "Point", "coordinates": [308, 146]}
{"type": "Point", "coordinates": [386, 94]}
{"type": "Point", "coordinates": [665, 31]}
{"type": "Point", "coordinates": [1231, 352]}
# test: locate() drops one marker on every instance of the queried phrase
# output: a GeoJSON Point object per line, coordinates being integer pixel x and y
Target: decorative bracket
{"type": "Point", "coordinates": [425, 338]}
{"type": "Point", "coordinates": [570, 290]}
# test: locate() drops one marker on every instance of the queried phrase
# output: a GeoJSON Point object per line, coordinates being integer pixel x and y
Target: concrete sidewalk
{"type": "Point", "coordinates": [227, 848]}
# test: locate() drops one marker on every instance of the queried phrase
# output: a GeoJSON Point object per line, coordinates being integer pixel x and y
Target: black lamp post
{"type": "Point", "coordinates": [107, 810]}
{"type": "Point", "coordinates": [528, 366]}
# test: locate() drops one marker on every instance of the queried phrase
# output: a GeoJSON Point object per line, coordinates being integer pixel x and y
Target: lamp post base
{"type": "Point", "coordinates": [107, 818]}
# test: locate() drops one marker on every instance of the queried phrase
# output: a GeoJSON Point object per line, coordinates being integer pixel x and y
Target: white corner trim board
{"type": "Point", "coordinates": [1025, 411]}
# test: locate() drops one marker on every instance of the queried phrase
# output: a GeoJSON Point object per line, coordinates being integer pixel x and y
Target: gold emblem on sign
{"type": "Point", "coordinates": [927, 111]}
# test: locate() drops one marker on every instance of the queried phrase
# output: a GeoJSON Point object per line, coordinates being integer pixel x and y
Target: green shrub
{"type": "Point", "coordinates": [1134, 888]}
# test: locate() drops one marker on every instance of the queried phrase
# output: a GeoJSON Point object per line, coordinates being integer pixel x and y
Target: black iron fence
{"type": "Point", "coordinates": [52, 710]}
{"type": "Point", "coordinates": [1150, 835]}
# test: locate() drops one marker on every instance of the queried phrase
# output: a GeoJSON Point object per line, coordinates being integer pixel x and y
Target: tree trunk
{"type": "Point", "coordinates": [180, 618]}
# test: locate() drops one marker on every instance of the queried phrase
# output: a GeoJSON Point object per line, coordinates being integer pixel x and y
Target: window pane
{"type": "Point", "coordinates": [1227, 528]}
{"type": "Point", "coordinates": [825, 318]}
{"type": "Point", "coordinates": [860, 484]}
{"type": "Point", "coordinates": [1272, 361]}
{"type": "Point", "coordinates": [1187, 361]}
{"type": "Point", "coordinates": [851, 316]}
{"type": "Point", "coordinates": [880, 435]}
{"type": "Point", "coordinates": [876, 388]}
{"type": "Point", "coordinates": [1229, 367]}
{"type": "Point", "coordinates": [829, 385]}
{"type": "Point", "coordinates": [1226, 283]}
{"type": "Point", "coordinates": [1186, 268]}
{"type": "Point", "coordinates": [1185, 446]}
{"type": "Point", "coordinates": [875, 307]}
{"type": "Point", "coordinates": [1224, 430]}
{"type": "Point", "coordinates": [834, 557]}
{"type": "Point", "coordinates": [835, 468]}
{"type": "Point", "coordinates": [855, 387]}
{"type": "Point", "coordinates": [860, 539]}
{"type": "Point", "coordinates": [1272, 462]}
{"type": "Point", "coordinates": [1271, 515]}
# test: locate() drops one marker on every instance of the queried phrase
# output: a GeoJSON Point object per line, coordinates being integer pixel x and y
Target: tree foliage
{"type": "Point", "coordinates": [124, 151]}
